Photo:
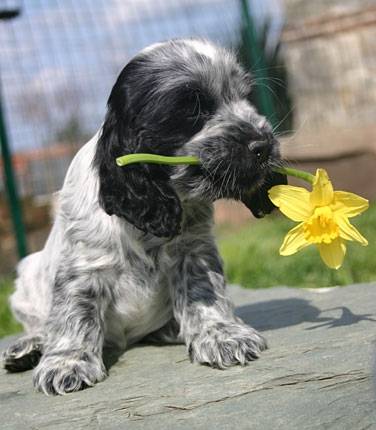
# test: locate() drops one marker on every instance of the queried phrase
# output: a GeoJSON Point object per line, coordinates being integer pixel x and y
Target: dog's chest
{"type": "Point", "coordinates": [141, 296]}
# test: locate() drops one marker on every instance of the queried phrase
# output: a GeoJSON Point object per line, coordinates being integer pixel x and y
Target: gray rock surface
{"type": "Point", "coordinates": [317, 374]}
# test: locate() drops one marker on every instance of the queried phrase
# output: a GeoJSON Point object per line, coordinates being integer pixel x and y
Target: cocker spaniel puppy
{"type": "Point", "coordinates": [131, 254]}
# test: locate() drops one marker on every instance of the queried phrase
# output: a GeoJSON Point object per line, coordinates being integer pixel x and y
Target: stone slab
{"type": "Point", "coordinates": [317, 374]}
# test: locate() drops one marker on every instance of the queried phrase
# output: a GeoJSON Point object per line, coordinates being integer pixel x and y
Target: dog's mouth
{"type": "Point", "coordinates": [256, 199]}
{"type": "Point", "coordinates": [240, 171]}
{"type": "Point", "coordinates": [255, 195]}
{"type": "Point", "coordinates": [248, 179]}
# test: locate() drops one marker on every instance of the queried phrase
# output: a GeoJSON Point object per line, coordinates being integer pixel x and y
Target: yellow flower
{"type": "Point", "coordinates": [323, 215]}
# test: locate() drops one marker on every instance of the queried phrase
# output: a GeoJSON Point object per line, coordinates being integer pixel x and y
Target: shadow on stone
{"type": "Point", "coordinates": [111, 356]}
{"type": "Point", "coordinates": [275, 314]}
{"type": "Point", "coordinates": [347, 318]}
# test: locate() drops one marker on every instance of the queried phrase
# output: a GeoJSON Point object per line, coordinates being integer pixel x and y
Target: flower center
{"type": "Point", "coordinates": [321, 227]}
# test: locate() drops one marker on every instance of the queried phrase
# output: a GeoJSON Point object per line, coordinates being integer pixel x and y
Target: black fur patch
{"type": "Point", "coordinates": [258, 201]}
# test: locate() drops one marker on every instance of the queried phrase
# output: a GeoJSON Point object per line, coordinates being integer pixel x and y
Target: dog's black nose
{"type": "Point", "coordinates": [261, 150]}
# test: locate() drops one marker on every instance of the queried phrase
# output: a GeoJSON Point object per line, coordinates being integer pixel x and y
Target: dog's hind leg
{"type": "Point", "coordinates": [29, 304]}
{"type": "Point", "coordinates": [23, 354]}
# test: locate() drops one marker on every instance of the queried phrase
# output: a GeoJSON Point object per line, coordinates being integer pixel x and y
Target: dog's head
{"type": "Point", "coordinates": [184, 97]}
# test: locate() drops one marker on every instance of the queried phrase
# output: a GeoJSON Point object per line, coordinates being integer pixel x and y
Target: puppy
{"type": "Point", "coordinates": [131, 254]}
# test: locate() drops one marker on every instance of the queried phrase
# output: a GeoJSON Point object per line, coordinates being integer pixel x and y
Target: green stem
{"type": "Point", "coordinates": [156, 159]}
{"type": "Point", "coordinates": [125, 160]}
{"type": "Point", "coordinates": [289, 171]}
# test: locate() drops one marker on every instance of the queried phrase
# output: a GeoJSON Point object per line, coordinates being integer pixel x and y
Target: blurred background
{"type": "Point", "coordinates": [314, 68]}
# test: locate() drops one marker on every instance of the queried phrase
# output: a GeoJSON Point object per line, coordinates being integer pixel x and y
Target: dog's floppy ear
{"type": "Point", "coordinates": [139, 193]}
{"type": "Point", "coordinates": [258, 201]}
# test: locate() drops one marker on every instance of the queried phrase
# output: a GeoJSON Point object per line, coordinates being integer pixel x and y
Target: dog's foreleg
{"type": "Point", "coordinates": [211, 332]}
{"type": "Point", "coordinates": [72, 356]}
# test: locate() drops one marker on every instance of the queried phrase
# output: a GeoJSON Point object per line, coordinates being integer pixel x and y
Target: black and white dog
{"type": "Point", "coordinates": [131, 254]}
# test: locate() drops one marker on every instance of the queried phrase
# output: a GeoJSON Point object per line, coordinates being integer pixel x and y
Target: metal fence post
{"type": "Point", "coordinates": [256, 57]}
{"type": "Point", "coordinates": [11, 187]}
{"type": "Point", "coordinates": [9, 178]}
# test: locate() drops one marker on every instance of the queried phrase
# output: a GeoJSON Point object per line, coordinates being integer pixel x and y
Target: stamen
{"type": "Point", "coordinates": [321, 226]}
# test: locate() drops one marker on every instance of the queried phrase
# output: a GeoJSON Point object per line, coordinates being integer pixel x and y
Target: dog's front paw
{"type": "Point", "coordinates": [226, 344]}
{"type": "Point", "coordinates": [61, 373]}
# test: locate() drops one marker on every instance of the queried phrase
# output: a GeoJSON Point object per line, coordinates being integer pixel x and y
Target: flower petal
{"type": "Point", "coordinates": [292, 201]}
{"type": "Point", "coordinates": [294, 241]}
{"type": "Point", "coordinates": [349, 204]}
{"type": "Point", "coordinates": [333, 253]}
{"type": "Point", "coordinates": [348, 231]}
{"type": "Point", "coordinates": [322, 191]}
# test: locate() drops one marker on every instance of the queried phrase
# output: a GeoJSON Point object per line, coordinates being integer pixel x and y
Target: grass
{"type": "Point", "coordinates": [8, 325]}
{"type": "Point", "coordinates": [252, 260]}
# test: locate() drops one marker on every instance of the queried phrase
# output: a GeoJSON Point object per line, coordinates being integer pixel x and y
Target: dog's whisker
{"type": "Point", "coordinates": [283, 119]}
